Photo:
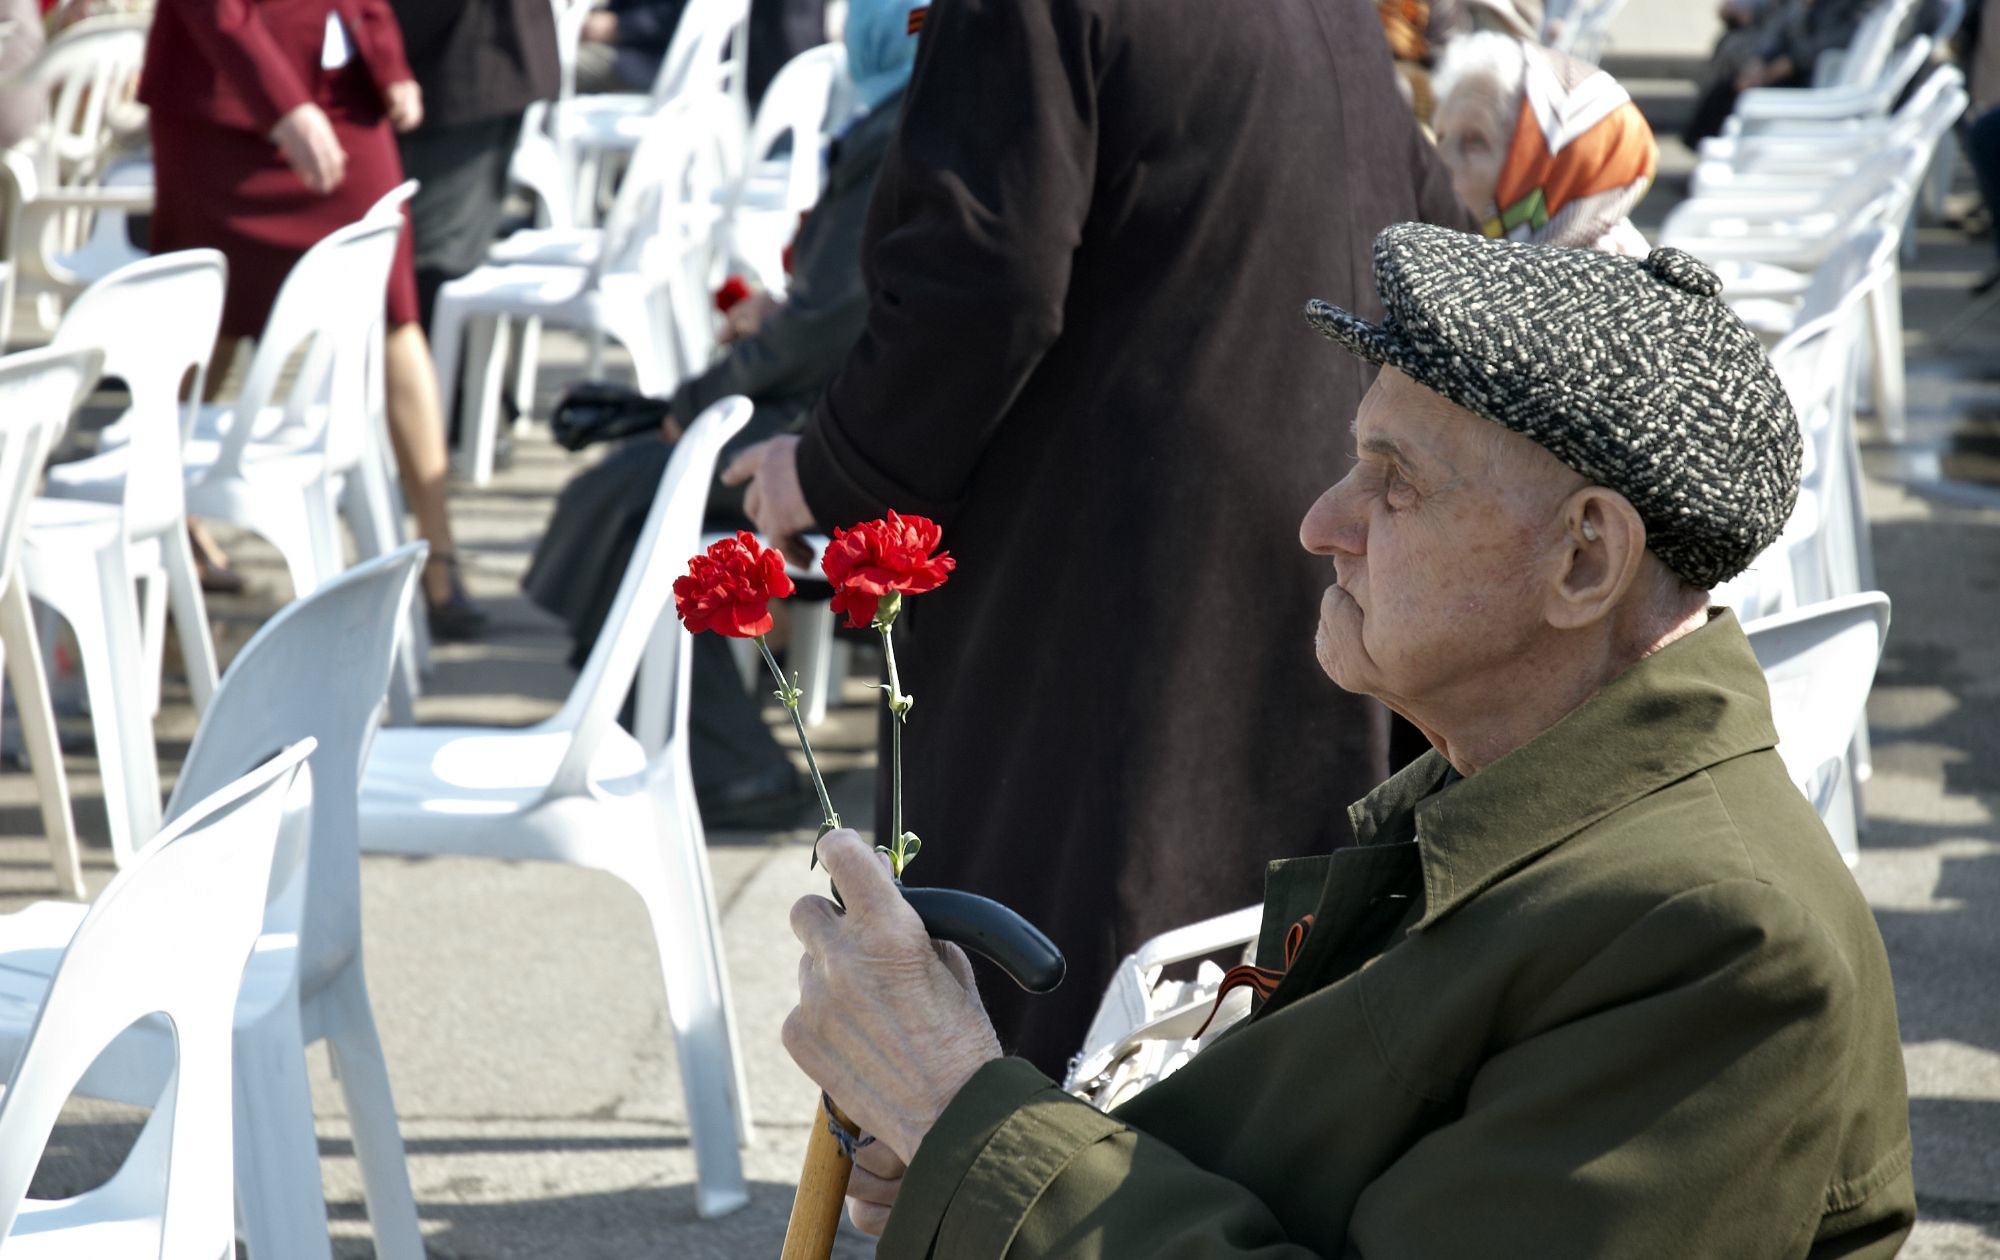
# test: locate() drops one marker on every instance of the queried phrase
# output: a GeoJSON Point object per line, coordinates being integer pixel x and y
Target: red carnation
{"type": "Point", "coordinates": [729, 588]}
{"type": "Point", "coordinates": [733, 290]}
{"type": "Point", "coordinates": [891, 556]}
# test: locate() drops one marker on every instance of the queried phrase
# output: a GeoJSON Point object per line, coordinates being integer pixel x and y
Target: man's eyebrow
{"type": "Point", "coordinates": [1376, 444]}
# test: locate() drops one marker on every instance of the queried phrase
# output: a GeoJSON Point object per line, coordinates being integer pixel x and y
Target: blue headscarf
{"type": "Point", "coordinates": [881, 47]}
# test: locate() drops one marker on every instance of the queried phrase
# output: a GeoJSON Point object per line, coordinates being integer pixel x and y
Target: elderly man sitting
{"type": "Point", "coordinates": [1594, 982]}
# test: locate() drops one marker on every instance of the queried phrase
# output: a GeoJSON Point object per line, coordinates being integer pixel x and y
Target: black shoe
{"type": "Point", "coordinates": [1985, 283]}
{"type": "Point", "coordinates": [455, 619]}
{"type": "Point", "coordinates": [773, 801]}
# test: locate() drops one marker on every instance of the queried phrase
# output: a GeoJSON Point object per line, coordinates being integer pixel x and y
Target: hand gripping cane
{"type": "Point", "coordinates": [976, 924]}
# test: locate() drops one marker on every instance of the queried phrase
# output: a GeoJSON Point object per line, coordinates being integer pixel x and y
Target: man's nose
{"type": "Point", "coordinates": [1335, 525]}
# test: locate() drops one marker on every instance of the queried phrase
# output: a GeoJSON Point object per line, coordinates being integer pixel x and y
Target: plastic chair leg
{"type": "Point", "coordinates": [349, 1024]}
{"type": "Point", "coordinates": [480, 419]}
{"type": "Point", "coordinates": [280, 1198]}
{"type": "Point", "coordinates": [812, 647]}
{"type": "Point", "coordinates": [38, 733]}
{"type": "Point", "coordinates": [190, 612]}
{"type": "Point", "coordinates": [684, 931]}
{"type": "Point", "coordinates": [528, 369]}
{"type": "Point", "coordinates": [153, 634]}
{"type": "Point", "coordinates": [322, 518]}
{"type": "Point", "coordinates": [1885, 335]}
{"type": "Point", "coordinates": [105, 624]}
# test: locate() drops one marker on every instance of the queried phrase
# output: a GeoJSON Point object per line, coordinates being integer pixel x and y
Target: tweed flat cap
{"type": "Point", "coordinates": [1633, 373]}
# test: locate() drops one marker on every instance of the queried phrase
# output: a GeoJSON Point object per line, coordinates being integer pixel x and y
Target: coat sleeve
{"type": "Point", "coordinates": [801, 345]}
{"type": "Point", "coordinates": [1685, 1084]}
{"type": "Point", "coordinates": [381, 40]}
{"type": "Point", "coordinates": [236, 42]}
{"type": "Point", "coordinates": [1017, 1168]}
{"type": "Point", "coordinates": [981, 207]}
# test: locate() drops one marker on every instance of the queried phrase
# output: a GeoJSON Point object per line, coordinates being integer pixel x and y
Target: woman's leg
{"type": "Point", "coordinates": [416, 431]}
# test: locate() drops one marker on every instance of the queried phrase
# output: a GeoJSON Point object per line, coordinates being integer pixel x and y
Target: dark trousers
{"type": "Point", "coordinates": [462, 174]}
{"type": "Point", "coordinates": [1981, 140]}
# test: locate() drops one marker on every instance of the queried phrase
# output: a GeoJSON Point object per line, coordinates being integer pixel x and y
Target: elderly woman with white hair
{"type": "Point", "coordinates": [1542, 147]}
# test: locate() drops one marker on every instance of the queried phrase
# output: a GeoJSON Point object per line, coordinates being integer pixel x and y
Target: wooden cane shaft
{"type": "Point", "coordinates": [822, 1189]}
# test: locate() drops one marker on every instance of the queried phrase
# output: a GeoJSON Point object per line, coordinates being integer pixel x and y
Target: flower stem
{"type": "Point", "coordinates": [899, 712]}
{"type": "Point", "coordinates": [789, 694]}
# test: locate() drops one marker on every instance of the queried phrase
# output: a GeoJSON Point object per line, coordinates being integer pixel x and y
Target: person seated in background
{"type": "Point", "coordinates": [1980, 133]}
{"type": "Point", "coordinates": [625, 42]}
{"type": "Point", "coordinates": [779, 353]}
{"type": "Point", "coordinates": [1593, 981]}
{"type": "Point", "coordinates": [1770, 43]}
{"type": "Point", "coordinates": [1542, 147]}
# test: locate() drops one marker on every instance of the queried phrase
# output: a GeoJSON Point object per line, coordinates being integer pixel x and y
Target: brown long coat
{"type": "Point", "coordinates": [1087, 257]}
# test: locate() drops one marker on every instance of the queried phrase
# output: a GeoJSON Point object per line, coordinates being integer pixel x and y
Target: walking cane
{"type": "Point", "coordinates": [974, 923]}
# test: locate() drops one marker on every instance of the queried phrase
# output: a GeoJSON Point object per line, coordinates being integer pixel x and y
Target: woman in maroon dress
{"type": "Point", "coordinates": [271, 126]}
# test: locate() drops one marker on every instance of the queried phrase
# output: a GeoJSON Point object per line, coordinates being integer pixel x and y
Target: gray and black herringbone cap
{"type": "Point", "coordinates": [1635, 374]}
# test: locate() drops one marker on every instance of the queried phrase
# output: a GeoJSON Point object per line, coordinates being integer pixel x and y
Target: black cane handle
{"type": "Point", "coordinates": [983, 926]}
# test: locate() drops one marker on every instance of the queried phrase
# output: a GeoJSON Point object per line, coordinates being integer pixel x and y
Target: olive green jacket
{"type": "Point", "coordinates": [1631, 1004]}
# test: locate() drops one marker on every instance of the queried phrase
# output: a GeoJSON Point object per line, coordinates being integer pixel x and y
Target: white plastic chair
{"type": "Point", "coordinates": [39, 391]}
{"type": "Point", "coordinates": [1873, 42]}
{"type": "Point", "coordinates": [1820, 663]}
{"type": "Point", "coordinates": [765, 204]}
{"type": "Point", "coordinates": [66, 229]}
{"type": "Point", "coordinates": [1793, 108]}
{"type": "Point", "coordinates": [318, 669]}
{"type": "Point", "coordinates": [643, 280]}
{"type": "Point", "coordinates": [276, 468]}
{"type": "Point", "coordinates": [155, 323]}
{"type": "Point", "coordinates": [1145, 1026]}
{"type": "Point", "coordinates": [577, 789]}
{"type": "Point", "coordinates": [200, 888]}
{"type": "Point", "coordinates": [708, 53]}
{"type": "Point", "coordinates": [1823, 149]}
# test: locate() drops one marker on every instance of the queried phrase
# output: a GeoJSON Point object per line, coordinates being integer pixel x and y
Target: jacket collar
{"type": "Point", "coordinates": [1699, 701]}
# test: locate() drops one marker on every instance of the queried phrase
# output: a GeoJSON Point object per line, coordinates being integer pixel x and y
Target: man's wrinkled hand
{"type": "Point", "coordinates": [888, 1022]}
{"type": "Point", "coordinates": [774, 502]}
{"type": "Point", "coordinates": [872, 1186]}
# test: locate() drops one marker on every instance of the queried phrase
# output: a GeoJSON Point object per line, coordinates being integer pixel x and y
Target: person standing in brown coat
{"type": "Point", "coordinates": [1083, 257]}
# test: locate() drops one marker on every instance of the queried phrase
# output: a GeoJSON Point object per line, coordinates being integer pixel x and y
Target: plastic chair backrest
{"type": "Point", "coordinates": [570, 16]}
{"type": "Point", "coordinates": [1870, 48]}
{"type": "Point", "coordinates": [1865, 260]}
{"type": "Point", "coordinates": [318, 669]}
{"type": "Point", "coordinates": [329, 305]}
{"type": "Point", "coordinates": [86, 71]}
{"type": "Point", "coordinates": [709, 51]}
{"type": "Point", "coordinates": [39, 392]}
{"type": "Point", "coordinates": [1820, 663]}
{"type": "Point", "coordinates": [671, 534]}
{"type": "Point", "coordinates": [155, 320]}
{"type": "Point", "coordinates": [665, 205]}
{"type": "Point", "coordinates": [796, 105]}
{"type": "Point", "coordinates": [169, 936]}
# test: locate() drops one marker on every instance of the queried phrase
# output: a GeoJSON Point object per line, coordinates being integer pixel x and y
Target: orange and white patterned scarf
{"type": "Point", "coordinates": [1582, 156]}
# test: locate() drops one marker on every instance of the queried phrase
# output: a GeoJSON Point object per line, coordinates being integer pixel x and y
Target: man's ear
{"type": "Point", "coordinates": [1602, 544]}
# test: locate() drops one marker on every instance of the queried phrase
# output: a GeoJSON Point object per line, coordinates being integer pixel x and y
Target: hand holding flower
{"type": "Point", "coordinates": [888, 1023]}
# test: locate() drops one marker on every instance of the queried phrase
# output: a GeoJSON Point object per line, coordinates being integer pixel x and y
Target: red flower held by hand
{"type": "Point", "coordinates": [891, 556]}
{"type": "Point", "coordinates": [734, 290]}
{"type": "Point", "coordinates": [729, 588]}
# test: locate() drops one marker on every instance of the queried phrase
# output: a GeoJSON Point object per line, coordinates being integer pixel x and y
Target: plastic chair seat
{"type": "Point", "coordinates": [62, 1229]}
{"type": "Point", "coordinates": [74, 522]}
{"type": "Point", "coordinates": [469, 773]}
{"type": "Point", "coordinates": [559, 247]}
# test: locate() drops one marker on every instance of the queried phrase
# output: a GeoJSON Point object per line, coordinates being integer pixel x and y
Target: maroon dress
{"type": "Point", "coordinates": [219, 74]}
